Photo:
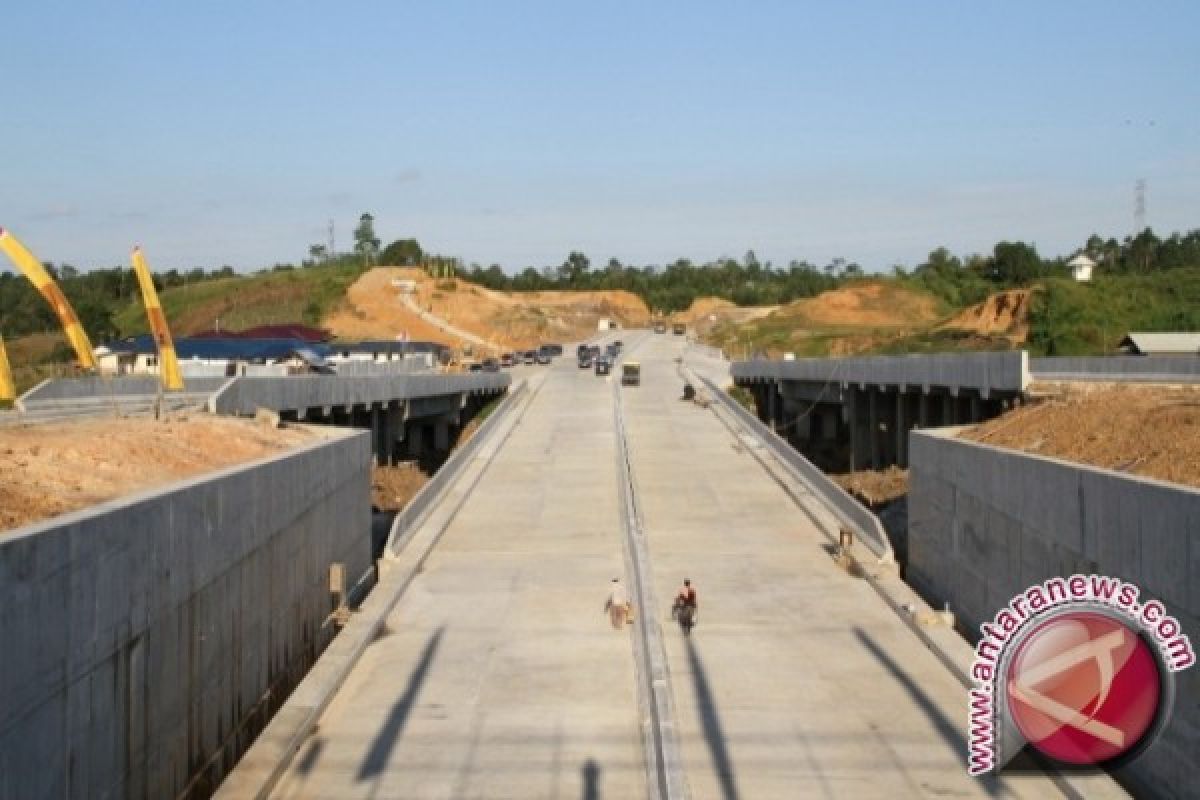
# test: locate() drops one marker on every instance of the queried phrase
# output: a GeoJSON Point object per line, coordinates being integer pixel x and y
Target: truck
{"type": "Point", "coordinates": [631, 374]}
{"type": "Point", "coordinates": [604, 324]}
{"type": "Point", "coordinates": [679, 329]}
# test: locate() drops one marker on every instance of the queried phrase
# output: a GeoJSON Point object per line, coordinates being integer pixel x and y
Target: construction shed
{"type": "Point", "coordinates": [1162, 344]}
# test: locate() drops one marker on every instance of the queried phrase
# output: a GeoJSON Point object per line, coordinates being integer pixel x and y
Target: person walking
{"type": "Point", "coordinates": [617, 605]}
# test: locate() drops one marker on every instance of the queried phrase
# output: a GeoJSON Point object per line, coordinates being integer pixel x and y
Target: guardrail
{"type": "Point", "coordinates": [985, 372]}
{"type": "Point", "coordinates": [1150, 369]}
{"type": "Point", "coordinates": [849, 511]}
{"type": "Point", "coordinates": [411, 516]}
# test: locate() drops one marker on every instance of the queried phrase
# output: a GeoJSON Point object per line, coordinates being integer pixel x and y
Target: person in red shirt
{"type": "Point", "coordinates": [685, 606]}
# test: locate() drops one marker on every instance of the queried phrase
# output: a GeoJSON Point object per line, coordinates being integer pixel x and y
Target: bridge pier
{"type": "Point", "coordinates": [441, 435]}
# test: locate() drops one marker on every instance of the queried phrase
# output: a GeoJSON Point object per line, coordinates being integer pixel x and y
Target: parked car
{"type": "Point", "coordinates": [581, 349]}
{"type": "Point", "coordinates": [660, 327]}
{"type": "Point", "coordinates": [473, 366]}
{"type": "Point", "coordinates": [620, 345]}
{"type": "Point", "coordinates": [553, 349]}
{"type": "Point", "coordinates": [491, 365]}
{"type": "Point", "coordinates": [530, 356]}
{"type": "Point", "coordinates": [508, 360]}
{"type": "Point", "coordinates": [612, 351]}
{"type": "Point", "coordinates": [603, 366]}
{"type": "Point", "coordinates": [543, 357]}
{"type": "Point", "coordinates": [631, 374]}
{"type": "Point", "coordinates": [585, 361]}
{"type": "Point", "coordinates": [679, 328]}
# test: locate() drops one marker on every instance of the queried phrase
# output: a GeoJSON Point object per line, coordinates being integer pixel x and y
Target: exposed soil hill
{"type": "Point", "coordinates": [706, 313]}
{"type": "Point", "coordinates": [861, 317]}
{"type": "Point", "coordinates": [47, 470]}
{"type": "Point", "coordinates": [1151, 431]}
{"type": "Point", "coordinates": [871, 304]}
{"type": "Point", "coordinates": [374, 308]}
{"type": "Point", "coordinates": [1001, 314]}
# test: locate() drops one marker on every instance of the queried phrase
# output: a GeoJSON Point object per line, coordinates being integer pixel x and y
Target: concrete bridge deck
{"type": "Point", "coordinates": [499, 676]}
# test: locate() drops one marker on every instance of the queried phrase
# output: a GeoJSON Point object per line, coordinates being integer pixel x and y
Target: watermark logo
{"type": "Point", "coordinates": [1079, 669]}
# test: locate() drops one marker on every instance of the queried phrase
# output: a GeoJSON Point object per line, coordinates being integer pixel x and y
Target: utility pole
{"type": "Point", "coordinates": [332, 250]}
{"type": "Point", "coordinates": [1139, 206]}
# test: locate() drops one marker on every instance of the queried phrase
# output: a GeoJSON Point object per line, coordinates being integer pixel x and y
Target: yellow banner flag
{"type": "Point", "coordinates": [32, 269]}
{"type": "Point", "coordinates": [8, 390]}
{"type": "Point", "coordinates": [172, 378]}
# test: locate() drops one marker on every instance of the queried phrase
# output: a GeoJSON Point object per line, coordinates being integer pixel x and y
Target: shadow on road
{"type": "Point", "coordinates": [389, 734]}
{"type": "Point", "coordinates": [946, 728]}
{"type": "Point", "coordinates": [311, 756]}
{"type": "Point", "coordinates": [714, 736]}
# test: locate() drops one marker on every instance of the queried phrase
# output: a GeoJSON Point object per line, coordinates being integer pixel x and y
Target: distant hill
{"type": "Point", "coordinates": [294, 295]}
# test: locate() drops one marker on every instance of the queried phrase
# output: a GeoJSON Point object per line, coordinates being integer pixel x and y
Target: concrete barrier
{"type": "Point", "coordinates": [984, 372]}
{"type": "Point", "coordinates": [410, 517]}
{"type": "Point", "coordinates": [78, 388]}
{"type": "Point", "coordinates": [985, 523]}
{"type": "Point", "coordinates": [1149, 369]}
{"type": "Point", "coordinates": [849, 512]}
{"type": "Point", "coordinates": [148, 639]}
{"type": "Point", "coordinates": [244, 395]}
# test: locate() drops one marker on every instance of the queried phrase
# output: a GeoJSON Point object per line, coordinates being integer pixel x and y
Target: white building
{"type": "Point", "coordinates": [1081, 268]}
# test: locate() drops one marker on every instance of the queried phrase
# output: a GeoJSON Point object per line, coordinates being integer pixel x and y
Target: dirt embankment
{"type": "Point", "coordinates": [1001, 314]}
{"type": "Point", "coordinates": [47, 470]}
{"type": "Point", "coordinates": [1149, 431]}
{"type": "Point", "coordinates": [874, 488]}
{"type": "Point", "coordinates": [865, 305]}
{"type": "Point", "coordinates": [518, 320]}
{"type": "Point", "coordinates": [706, 313]}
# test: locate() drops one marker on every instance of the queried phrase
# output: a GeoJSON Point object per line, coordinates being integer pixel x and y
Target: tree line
{"type": "Point", "coordinates": [99, 294]}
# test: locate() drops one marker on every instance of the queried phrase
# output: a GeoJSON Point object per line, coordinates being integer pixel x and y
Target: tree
{"type": "Point", "coordinates": [1015, 264]}
{"type": "Point", "coordinates": [575, 269]}
{"type": "Point", "coordinates": [402, 253]}
{"type": "Point", "coordinates": [365, 240]}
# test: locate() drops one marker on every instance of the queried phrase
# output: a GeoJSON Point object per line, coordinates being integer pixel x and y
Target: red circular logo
{"type": "Point", "coordinates": [1083, 687]}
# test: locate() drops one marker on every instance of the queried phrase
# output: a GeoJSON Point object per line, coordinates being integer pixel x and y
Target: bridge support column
{"type": "Point", "coordinates": [901, 430]}
{"type": "Point", "coordinates": [441, 435]}
{"type": "Point", "coordinates": [873, 425]}
{"type": "Point", "coordinates": [395, 418]}
{"type": "Point", "coordinates": [976, 408]}
{"type": "Point", "coordinates": [376, 435]}
{"type": "Point", "coordinates": [948, 416]}
{"type": "Point", "coordinates": [415, 438]}
{"type": "Point", "coordinates": [923, 410]}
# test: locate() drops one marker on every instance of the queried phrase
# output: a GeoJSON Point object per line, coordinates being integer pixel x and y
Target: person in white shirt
{"type": "Point", "coordinates": [617, 605]}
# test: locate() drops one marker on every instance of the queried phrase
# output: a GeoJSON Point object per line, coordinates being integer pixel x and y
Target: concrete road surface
{"type": "Point", "coordinates": [499, 675]}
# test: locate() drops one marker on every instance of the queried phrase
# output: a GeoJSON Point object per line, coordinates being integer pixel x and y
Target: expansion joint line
{"type": "Point", "coordinates": [664, 762]}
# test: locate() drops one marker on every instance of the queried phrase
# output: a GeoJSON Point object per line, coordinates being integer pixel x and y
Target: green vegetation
{"type": "Point", "coordinates": [1142, 282]}
{"type": "Point", "coordinates": [1069, 318]}
{"type": "Point", "coordinates": [743, 396]}
{"type": "Point", "coordinates": [282, 295]}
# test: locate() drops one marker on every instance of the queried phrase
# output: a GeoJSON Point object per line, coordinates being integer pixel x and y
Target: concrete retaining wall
{"type": "Point", "coordinates": [983, 372]}
{"type": "Point", "coordinates": [148, 639]}
{"type": "Point", "coordinates": [985, 523]}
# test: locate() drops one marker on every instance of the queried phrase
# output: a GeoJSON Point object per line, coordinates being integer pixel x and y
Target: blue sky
{"type": "Point", "coordinates": [231, 132]}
